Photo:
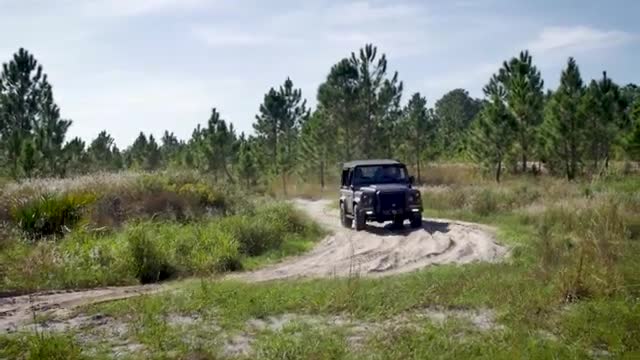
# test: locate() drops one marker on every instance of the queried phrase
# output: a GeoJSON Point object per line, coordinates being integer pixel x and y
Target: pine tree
{"type": "Point", "coordinates": [152, 155]}
{"type": "Point", "coordinates": [417, 130]}
{"type": "Point", "coordinates": [632, 141]}
{"type": "Point", "coordinates": [19, 84]}
{"type": "Point", "coordinates": [31, 131]}
{"type": "Point", "coordinates": [455, 111]}
{"type": "Point", "coordinates": [28, 157]}
{"type": "Point", "coordinates": [197, 150]}
{"type": "Point", "coordinates": [565, 121]}
{"type": "Point", "coordinates": [524, 97]}
{"type": "Point", "coordinates": [76, 160]}
{"type": "Point", "coordinates": [277, 126]}
{"type": "Point", "coordinates": [339, 96]}
{"type": "Point", "coordinates": [493, 132]}
{"type": "Point", "coordinates": [379, 101]}
{"type": "Point", "coordinates": [247, 163]}
{"type": "Point", "coordinates": [389, 114]}
{"type": "Point", "coordinates": [50, 131]}
{"type": "Point", "coordinates": [101, 152]}
{"type": "Point", "coordinates": [317, 145]}
{"type": "Point", "coordinates": [170, 149]}
{"type": "Point", "coordinates": [219, 144]}
{"type": "Point", "coordinates": [606, 116]}
{"type": "Point", "coordinates": [136, 154]}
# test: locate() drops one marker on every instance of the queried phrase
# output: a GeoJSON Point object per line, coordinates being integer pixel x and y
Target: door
{"type": "Point", "coordinates": [346, 190]}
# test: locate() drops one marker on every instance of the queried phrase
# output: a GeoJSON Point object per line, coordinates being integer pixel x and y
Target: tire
{"type": "Point", "coordinates": [346, 222]}
{"type": "Point", "coordinates": [358, 217]}
{"type": "Point", "coordinates": [416, 220]}
{"type": "Point", "coordinates": [398, 222]}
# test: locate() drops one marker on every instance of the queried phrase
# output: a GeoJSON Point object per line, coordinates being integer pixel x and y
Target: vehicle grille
{"type": "Point", "coordinates": [386, 201]}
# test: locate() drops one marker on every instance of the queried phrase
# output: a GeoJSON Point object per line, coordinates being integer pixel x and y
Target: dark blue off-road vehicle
{"type": "Point", "coordinates": [378, 190]}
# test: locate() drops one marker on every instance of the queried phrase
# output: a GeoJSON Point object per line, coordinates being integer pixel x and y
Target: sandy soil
{"type": "Point", "coordinates": [377, 251]}
{"type": "Point", "coordinates": [18, 310]}
{"type": "Point", "coordinates": [381, 250]}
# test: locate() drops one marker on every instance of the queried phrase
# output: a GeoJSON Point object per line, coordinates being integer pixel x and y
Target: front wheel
{"type": "Point", "coordinates": [346, 222]}
{"type": "Point", "coordinates": [358, 217]}
{"type": "Point", "coordinates": [416, 220]}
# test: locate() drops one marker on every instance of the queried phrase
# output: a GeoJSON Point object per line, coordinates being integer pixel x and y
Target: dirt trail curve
{"type": "Point", "coordinates": [380, 251]}
{"type": "Point", "coordinates": [377, 251]}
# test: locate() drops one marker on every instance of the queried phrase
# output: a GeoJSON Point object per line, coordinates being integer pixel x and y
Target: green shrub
{"type": "Point", "coordinates": [254, 235]}
{"type": "Point", "coordinates": [485, 203]}
{"type": "Point", "coordinates": [266, 228]}
{"type": "Point", "coordinates": [150, 250]}
{"type": "Point", "coordinates": [50, 214]}
{"type": "Point", "coordinates": [224, 254]}
{"type": "Point", "coordinates": [150, 262]}
{"type": "Point", "coordinates": [92, 259]}
{"type": "Point", "coordinates": [203, 250]}
{"type": "Point", "coordinates": [205, 194]}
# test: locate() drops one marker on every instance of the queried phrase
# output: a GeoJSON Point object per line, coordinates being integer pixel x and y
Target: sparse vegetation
{"type": "Point", "coordinates": [144, 229]}
{"type": "Point", "coordinates": [569, 288]}
{"type": "Point", "coordinates": [566, 200]}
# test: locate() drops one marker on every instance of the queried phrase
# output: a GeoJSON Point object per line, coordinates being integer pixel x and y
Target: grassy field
{"type": "Point", "coordinates": [569, 289]}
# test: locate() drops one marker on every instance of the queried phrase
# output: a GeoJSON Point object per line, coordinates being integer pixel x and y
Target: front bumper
{"type": "Point", "coordinates": [391, 214]}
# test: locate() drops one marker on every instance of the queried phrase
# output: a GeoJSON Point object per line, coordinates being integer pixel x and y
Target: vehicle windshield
{"type": "Point", "coordinates": [380, 174]}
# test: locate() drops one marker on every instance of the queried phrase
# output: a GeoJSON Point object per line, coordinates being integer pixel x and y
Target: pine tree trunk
{"type": "Point", "coordinates": [567, 160]}
{"type": "Point", "coordinates": [525, 148]}
{"type": "Point", "coordinates": [322, 175]}
{"type": "Point", "coordinates": [226, 170]}
{"type": "Point", "coordinates": [348, 143]}
{"type": "Point", "coordinates": [418, 169]}
{"type": "Point", "coordinates": [498, 171]}
{"type": "Point", "coordinates": [284, 183]}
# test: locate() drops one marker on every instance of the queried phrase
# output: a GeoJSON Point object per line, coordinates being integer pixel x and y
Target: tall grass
{"type": "Point", "coordinates": [585, 233]}
{"type": "Point", "coordinates": [104, 202]}
{"type": "Point", "coordinates": [152, 250]}
{"type": "Point", "coordinates": [582, 249]}
{"type": "Point", "coordinates": [41, 346]}
{"type": "Point", "coordinates": [449, 174]}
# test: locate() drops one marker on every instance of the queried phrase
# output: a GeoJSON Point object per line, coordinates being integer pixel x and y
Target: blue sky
{"type": "Point", "coordinates": [151, 65]}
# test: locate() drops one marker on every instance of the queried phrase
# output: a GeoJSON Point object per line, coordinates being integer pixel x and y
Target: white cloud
{"type": "Point", "coordinates": [222, 37]}
{"type": "Point", "coordinates": [577, 39]}
{"type": "Point", "coordinates": [395, 43]}
{"type": "Point", "coordinates": [136, 7]}
{"type": "Point", "coordinates": [342, 28]}
{"type": "Point", "coordinates": [353, 13]}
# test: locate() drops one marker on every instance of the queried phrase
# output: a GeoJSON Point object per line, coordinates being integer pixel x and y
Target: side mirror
{"type": "Point", "coordinates": [412, 180]}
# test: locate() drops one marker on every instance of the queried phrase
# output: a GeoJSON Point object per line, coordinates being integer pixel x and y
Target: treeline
{"type": "Point", "coordinates": [574, 130]}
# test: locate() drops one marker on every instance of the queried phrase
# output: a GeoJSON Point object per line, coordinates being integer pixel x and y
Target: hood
{"type": "Point", "coordinates": [385, 188]}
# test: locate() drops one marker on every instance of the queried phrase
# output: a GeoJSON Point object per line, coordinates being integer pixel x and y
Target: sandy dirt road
{"type": "Point", "coordinates": [376, 251]}
{"type": "Point", "coordinates": [380, 250]}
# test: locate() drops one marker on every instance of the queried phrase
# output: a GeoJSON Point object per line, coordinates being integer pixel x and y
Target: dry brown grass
{"type": "Point", "coordinates": [450, 174]}
{"type": "Point", "coordinates": [116, 198]}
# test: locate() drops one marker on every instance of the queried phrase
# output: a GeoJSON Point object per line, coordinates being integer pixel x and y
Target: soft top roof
{"type": "Point", "coordinates": [355, 163]}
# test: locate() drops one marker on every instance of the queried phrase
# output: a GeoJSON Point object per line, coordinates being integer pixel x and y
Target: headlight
{"type": "Point", "coordinates": [366, 199]}
{"type": "Point", "coordinates": [414, 198]}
